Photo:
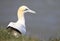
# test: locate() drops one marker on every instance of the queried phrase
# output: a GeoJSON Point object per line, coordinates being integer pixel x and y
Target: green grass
{"type": "Point", "coordinates": [4, 36]}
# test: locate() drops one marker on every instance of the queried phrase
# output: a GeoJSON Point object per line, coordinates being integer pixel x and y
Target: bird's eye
{"type": "Point", "coordinates": [25, 9]}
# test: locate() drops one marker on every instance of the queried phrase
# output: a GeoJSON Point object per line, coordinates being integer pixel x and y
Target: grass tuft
{"type": "Point", "coordinates": [4, 36]}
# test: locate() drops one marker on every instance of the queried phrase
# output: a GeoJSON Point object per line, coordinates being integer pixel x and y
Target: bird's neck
{"type": "Point", "coordinates": [21, 18]}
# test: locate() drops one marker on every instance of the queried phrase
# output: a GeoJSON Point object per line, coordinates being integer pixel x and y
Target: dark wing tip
{"type": "Point", "coordinates": [9, 27]}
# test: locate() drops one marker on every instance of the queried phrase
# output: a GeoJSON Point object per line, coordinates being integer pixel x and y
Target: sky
{"type": "Point", "coordinates": [44, 24]}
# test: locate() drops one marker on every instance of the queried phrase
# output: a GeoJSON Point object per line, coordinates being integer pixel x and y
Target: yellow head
{"type": "Point", "coordinates": [23, 9]}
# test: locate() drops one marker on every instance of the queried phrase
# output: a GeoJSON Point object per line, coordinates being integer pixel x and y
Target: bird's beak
{"type": "Point", "coordinates": [31, 11]}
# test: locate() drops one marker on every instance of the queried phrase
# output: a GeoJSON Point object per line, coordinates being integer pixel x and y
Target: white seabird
{"type": "Point", "coordinates": [19, 26]}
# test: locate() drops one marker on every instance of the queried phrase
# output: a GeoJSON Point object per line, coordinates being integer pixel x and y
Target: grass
{"type": "Point", "coordinates": [54, 38]}
{"type": "Point", "coordinates": [4, 36]}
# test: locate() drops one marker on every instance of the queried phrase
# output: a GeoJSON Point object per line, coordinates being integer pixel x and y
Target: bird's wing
{"type": "Point", "coordinates": [11, 24]}
{"type": "Point", "coordinates": [19, 27]}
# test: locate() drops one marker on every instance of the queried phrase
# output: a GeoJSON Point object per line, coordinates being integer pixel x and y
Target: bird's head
{"type": "Point", "coordinates": [25, 9]}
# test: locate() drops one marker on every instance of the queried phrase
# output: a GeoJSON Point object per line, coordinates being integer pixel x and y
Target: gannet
{"type": "Point", "coordinates": [19, 26]}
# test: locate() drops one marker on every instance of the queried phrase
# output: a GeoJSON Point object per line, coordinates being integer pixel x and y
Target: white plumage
{"type": "Point", "coordinates": [20, 24]}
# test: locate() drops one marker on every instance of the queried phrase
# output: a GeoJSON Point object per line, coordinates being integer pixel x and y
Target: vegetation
{"type": "Point", "coordinates": [4, 36]}
{"type": "Point", "coordinates": [54, 39]}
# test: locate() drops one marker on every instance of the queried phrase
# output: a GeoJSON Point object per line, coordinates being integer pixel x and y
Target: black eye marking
{"type": "Point", "coordinates": [25, 9]}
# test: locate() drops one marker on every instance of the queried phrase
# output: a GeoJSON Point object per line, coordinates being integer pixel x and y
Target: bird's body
{"type": "Point", "coordinates": [19, 26]}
